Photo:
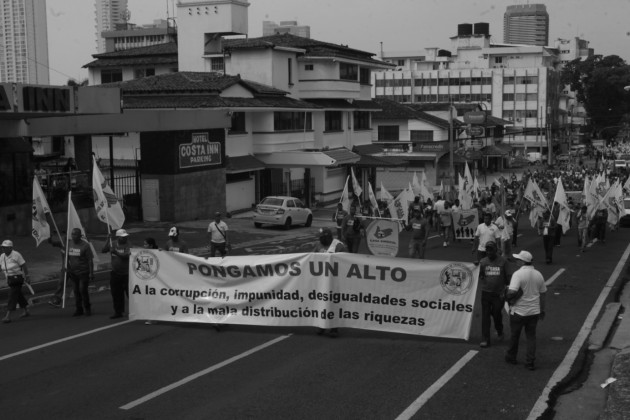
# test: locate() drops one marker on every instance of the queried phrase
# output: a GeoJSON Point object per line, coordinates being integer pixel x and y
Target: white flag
{"type": "Point", "coordinates": [345, 200]}
{"type": "Point", "coordinates": [399, 206]}
{"type": "Point", "coordinates": [41, 228]}
{"type": "Point", "coordinates": [108, 208]}
{"type": "Point", "coordinates": [564, 215]}
{"type": "Point", "coordinates": [476, 188]}
{"type": "Point", "coordinates": [355, 185]}
{"type": "Point", "coordinates": [424, 190]}
{"type": "Point", "coordinates": [385, 195]}
{"type": "Point", "coordinates": [415, 185]}
{"type": "Point", "coordinates": [373, 200]}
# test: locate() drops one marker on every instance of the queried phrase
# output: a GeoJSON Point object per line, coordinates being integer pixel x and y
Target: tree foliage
{"type": "Point", "coordinates": [599, 84]}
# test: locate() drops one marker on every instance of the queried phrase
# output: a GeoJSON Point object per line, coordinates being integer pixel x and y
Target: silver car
{"type": "Point", "coordinates": [282, 210]}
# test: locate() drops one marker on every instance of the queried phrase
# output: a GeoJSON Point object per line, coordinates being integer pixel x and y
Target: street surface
{"type": "Point", "coordinates": [60, 367]}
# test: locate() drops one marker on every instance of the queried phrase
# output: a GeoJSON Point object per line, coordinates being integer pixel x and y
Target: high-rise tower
{"type": "Point", "coordinates": [109, 13]}
{"type": "Point", "coordinates": [526, 24]}
{"type": "Point", "coordinates": [24, 42]}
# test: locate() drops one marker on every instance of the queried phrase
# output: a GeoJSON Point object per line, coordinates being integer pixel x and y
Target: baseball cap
{"type": "Point", "coordinates": [7, 243]}
{"type": "Point", "coordinates": [173, 231]}
{"type": "Point", "coordinates": [491, 244]}
{"type": "Point", "coordinates": [217, 213]}
{"type": "Point", "coordinates": [121, 233]}
{"type": "Point", "coordinates": [509, 213]}
{"type": "Point", "coordinates": [524, 256]}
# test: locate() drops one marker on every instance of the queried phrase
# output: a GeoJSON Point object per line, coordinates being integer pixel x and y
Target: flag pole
{"type": "Point", "coordinates": [65, 271]}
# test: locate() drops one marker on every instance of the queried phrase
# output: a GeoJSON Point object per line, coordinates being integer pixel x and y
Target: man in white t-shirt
{"type": "Point", "coordinates": [527, 309]}
{"type": "Point", "coordinates": [486, 232]}
{"type": "Point", "coordinates": [505, 224]}
{"type": "Point", "coordinates": [217, 236]}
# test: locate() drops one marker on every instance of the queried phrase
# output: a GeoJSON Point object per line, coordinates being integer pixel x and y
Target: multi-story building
{"type": "Point", "coordinates": [286, 27]}
{"type": "Point", "coordinates": [516, 83]}
{"type": "Point", "coordinates": [526, 24]}
{"type": "Point", "coordinates": [134, 36]}
{"type": "Point", "coordinates": [301, 144]}
{"type": "Point", "coordinates": [24, 42]}
{"type": "Point", "coordinates": [109, 13]}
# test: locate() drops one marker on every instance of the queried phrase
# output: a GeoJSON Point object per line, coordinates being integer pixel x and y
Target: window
{"type": "Point", "coordinates": [498, 60]}
{"type": "Point", "coordinates": [365, 76]}
{"type": "Point", "coordinates": [361, 120]}
{"type": "Point", "coordinates": [308, 67]}
{"type": "Point", "coordinates": [421, 135]}
{"type": "Point", "coordinates": [140, 73]}
{"type": "Point", "coordinates": [292, 121]}
{"type": "Point", "coordinates": [508, 80]}
{"type": "Point", "coordinates": [527, 80]}
{"type": "Point", "coordinates": [290, 71]}
{"type": "Point", "coordinates": [332, 121]}
{"type": "Point", "coordinates": [348, 71]}
{"type": "Point", "coordinates": [14, 167]}
{"type": "Point", "coordinates": [388, 133]}
{"type": "Point", "coordinates": [238, 123]}
{"type": "Point", "coordinates": [400, 62]}
{"type": "Point", "coordinates": [111, 75]}
{"type": "Point", "coordinates": [217, 64]}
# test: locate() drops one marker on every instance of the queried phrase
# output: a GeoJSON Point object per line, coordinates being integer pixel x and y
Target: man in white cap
{"type": "Point", "coordinates": [174, 244]}
{"type": "Point", "coordinates": [505, 223]}
{"type": "Point", "coordinates": [14, 268]}
{"type": "Point", "coordinates": [527, 310]}
{"type": "Point", "coordinates": [119, 277]}
{"type": "Point", "coordinates": [327, 244]}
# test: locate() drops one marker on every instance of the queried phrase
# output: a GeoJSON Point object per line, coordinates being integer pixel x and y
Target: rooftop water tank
{"type": "Point", "coordinates": [464, 29]}
{"type": "Point", "coordinates": [482, 28]}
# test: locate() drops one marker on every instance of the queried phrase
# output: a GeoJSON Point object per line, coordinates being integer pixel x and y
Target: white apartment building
{"type": "Point", "coordinates": [285, 27]}
{"type": "Point", "coordinates": [109, 13]}
{"type": "Point", "coordinates": [135, 36]}
{"type": "Point", "coordinates": [24, 42]}
{"type": "Point", "coordinates": [517, 83]}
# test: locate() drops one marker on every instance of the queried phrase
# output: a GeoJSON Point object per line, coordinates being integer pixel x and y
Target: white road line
{"type": "Point", "coordinates": [554, 277]}
{"type": "Point", "coordinates": [563, 370]}
{"type": "Point", "coordinates": [72, 337]}
{"type": "Point", "coordinates": [433, 389]}
{"type": "Point", "coordinates": [201, 373]}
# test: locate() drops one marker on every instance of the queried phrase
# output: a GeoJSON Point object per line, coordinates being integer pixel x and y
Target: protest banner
{"type": "Point", "coordinates": [322, 290]}
{"type": "Point", "coordinates": [465, 223]}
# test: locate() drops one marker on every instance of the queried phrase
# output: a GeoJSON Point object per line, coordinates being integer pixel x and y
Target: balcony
{"type": "Point", "coordinates": [329, 88]}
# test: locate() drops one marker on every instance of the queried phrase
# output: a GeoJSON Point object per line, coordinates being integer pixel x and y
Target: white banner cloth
{"type": "Point", "coordinates": [431, 298]}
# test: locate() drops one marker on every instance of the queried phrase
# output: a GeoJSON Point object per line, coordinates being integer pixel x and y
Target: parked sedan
{"type": "Point", "coordinates": [282, 210]}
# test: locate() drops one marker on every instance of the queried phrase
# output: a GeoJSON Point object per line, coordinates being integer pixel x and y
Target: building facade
{"type": "Point", "coordinates": [134, 36]}
{"type": "Point", "coordinates": [24, 42]}
{"type": "Point", "coordinates": [526, 24]}
{"type": "Point", "coordinates": [519, 84]}
{"type": "Point", "coordinates": [109, 13]}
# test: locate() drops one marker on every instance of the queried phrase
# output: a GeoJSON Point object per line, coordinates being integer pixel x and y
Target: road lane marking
{"type": "Point", "coordinates": [433, 389]}
{"type": "Point", "coordinates": [201, 373]}
{"type": "Point", "coordinates": [565, 367]}
{"type": "Point", "coordinates": [61, 340]}
{"type": "Point", "coordinates": [554, 277]}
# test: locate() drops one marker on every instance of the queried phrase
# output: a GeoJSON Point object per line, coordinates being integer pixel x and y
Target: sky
{"type": "Point", "coordinates": [400, 25]}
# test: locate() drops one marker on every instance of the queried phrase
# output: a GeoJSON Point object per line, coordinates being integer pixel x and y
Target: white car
{"type": "Point", "coordinates": [282, 210]}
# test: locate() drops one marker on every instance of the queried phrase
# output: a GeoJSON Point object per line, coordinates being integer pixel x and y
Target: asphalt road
{"type": "Point", "coordinates": [55, 366]}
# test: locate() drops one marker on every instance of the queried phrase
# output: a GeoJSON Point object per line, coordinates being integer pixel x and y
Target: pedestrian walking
{"type": "Point", "coordinates": [338, 217]}
{"type": "Point", "coordinates": [80, 271]}
{"type": "Point", "coordinates": [14, 268]}
{"type": "Point", "coordinates": [120, 250]}
{"type": "Point", "coordinates": [419, 225]}
{"type": "Point", "coordinates": [548, 227]}
{"type": "Point", "coordinates": [328, 245]}
{"type": "Point", "coordinates": [446, 221]}
{"type": "Point", "coordinates": [486, 232]}
{"type": "Point", "coordinates": [218, 236]}
{"type": "Point", "coordinates": [174, 243]}
{"type": "Point", "coordinates": [527, 310]}
{"type": "Point", "coordinates": [352, 230]}
{"type": "Point", "coordinates": [493, 279]}
{"type": "Point", "coordinates": [582, 228]}
{"type": "Point", "coordinates": [505, 224]}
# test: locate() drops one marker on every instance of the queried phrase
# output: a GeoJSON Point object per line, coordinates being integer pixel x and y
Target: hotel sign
{"type": "Point", "coordinates": [199, 152]}
{"type": "Point", "coordinates": [17, 98]}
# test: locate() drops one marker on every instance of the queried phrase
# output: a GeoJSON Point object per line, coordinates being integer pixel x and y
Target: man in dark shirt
{"type": "Point", "coordinates": [338, 218]}
{"type": "Point", "coordinates": [119, 277]}
{"type": "Point", "coordinates": [493, 278]}
{"type": "Point", "coordinates": [352, 230]}
{"type": "Point", "coordinates": [174, 244]}
{"type": "Point", "coordinates": [80, 271]}
{"type": "Point", "coordinates": [419, 226]}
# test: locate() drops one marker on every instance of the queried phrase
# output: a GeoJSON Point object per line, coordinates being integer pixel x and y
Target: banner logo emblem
{"type": "Point", "coordinates": [146, 265]}
{"type": "Point", "coordinates": [456, 279]}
